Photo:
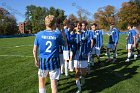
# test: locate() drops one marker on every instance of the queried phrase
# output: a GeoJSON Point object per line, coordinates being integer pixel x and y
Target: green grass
{"type": "Point", "coordinates": [18, 74]}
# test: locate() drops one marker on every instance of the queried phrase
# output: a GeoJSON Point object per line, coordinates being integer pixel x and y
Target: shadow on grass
{"type": "Point", "coordinates": [104, 78]}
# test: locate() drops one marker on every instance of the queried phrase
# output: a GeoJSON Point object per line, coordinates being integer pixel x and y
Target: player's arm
{"type": "Point", "coordinates": [35, 55]}
{"type": "Point", "coordinates": [101, 38]}
{"type": "Point", "coordinates": [64, 37]}
{"type": "Point", "coordinates": [35, 48]}
{"type": "Point", "coordinates": [92, 41]}
{"type": "Point", "coordinates": [117, 38]}
{"type": "Point", "coordinates": [134, 37]}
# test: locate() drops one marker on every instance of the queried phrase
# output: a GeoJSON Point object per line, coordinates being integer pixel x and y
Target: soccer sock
{"type": "Point", "coordinates": [78, 84]}
{"type": "Point", "coordinates": [89, 57]}
{"type": "Point", "coordinates": [62, 66]}
{"type": "Point", "coordinates": [66, 68]}
{"type": "Point", "coordinates": [108, 54]}
{"type": "Point", "coordinates": [114, 54]}
{"type": "Point", "coordinates": [70, 65]}
{"type": "Point", "coordinates": [42, 90]}
{"type": "Point", "coordinates": [129, 55]}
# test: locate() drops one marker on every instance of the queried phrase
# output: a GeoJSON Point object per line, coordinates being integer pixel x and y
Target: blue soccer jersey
{"type": "Point", "coordinates": [48, 43]}
{"type": "Point", "coordinates": [72, 41]}
{"type": "Point", "coordinates": [131, 34]}
{"type": "Point", "coordinates": [88, 36]}
{"type": "Point", "coordinates": [82, 46]}
{"type": "Point", "coordinates": [97, 35]}
{"type": "Point", "coordinates": [67, 33]}
{"type": "Point", "coordinates": [113, 36]}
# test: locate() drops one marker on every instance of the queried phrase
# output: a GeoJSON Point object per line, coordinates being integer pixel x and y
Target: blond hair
{"type": "Point", "coordinates": [49, 20]}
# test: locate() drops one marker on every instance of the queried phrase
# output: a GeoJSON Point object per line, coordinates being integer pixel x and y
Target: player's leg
{"type": "Point", "coordinates": [138, 50]}
{"type": "Point", "coordinates": [114, 52]}
{"type": "Point", "coordinates": [129, 52]}
{"type": "Point", "coordinates": [71, 61]}
{"type": "Point", "coordinates": [92, 57]}
{"type": "Point", "coordinates": [137, 47]}
{"type": "Point", "coordinates": [41, 78]}
{"type": "Point", "coordinates": [98, 54]}
{"type": "Point", "coordinates": [66, 59]}
{"type": "Point", "coordinates": [54, 76]}
{"type": "Point", "coordinates": [108, 52]}
{"type": "Point", "coordinates": [61, 62]}
{"type": "Point", "coordinates": [84, 66]}
{"type": "Point", "coordinates": [77, 75]}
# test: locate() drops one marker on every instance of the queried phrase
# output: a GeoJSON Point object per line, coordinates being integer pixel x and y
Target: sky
{"type": "Point", "coordinates": [18, 7]}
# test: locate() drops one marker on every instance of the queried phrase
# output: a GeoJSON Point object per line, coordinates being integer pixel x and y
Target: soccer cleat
{"type": "Point", "coordinates": [109, 60]}
{"type": "Point", "coordinates": [71, 70]}
{"type": "Point", "coordinates": [116, 54]}
{"type": "Point", "coordinates": [92, 63]}
{"type": "Point", "coordinates": [62, 73]}
{"type": "Point", "coordinates": [138, 55]}
{"type": "Point", "coordinates": [82, 81]}
{"type": "Point", "coordinates": [135, 57]}
{"type": "Point", "coordinates": [78, 91]}
{"type": "Point", "coordinates": [114, 60]}
{"type": "Point", "coordinates": [127, 60]}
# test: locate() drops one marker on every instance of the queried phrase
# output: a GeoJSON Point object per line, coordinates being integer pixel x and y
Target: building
{"type": "Point", "coordinates": [22, 28]}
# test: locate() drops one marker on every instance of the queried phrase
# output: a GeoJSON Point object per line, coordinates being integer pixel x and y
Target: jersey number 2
{"type": "Point", "coordinates": [49, 43]}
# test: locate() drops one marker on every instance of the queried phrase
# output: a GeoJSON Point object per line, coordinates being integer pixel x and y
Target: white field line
{"type": "Point", "coordinates": [15, 46]}
{"type": "Point", "coordinates": [14, 56]}
{"type": "Point", "coordinates": [28, 56]}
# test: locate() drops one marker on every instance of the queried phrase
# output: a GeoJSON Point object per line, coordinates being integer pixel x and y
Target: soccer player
{"type": "Point", "coordinates": [69, 50]}
{"type": "Point", "coordinates": [137, 40]}
{"type": "Point", "coordinates": [113, 41]}
{"type": "Point", "coordinates": [97, 35]}
{"type": "Point", "coordinates": [131, 41]}
{"type": "Point", "coordinates": [48, 42]}
{"type": "Point", "coordinates": [88, 35]}
{"type": "Point", "coordinates": [80, 60]}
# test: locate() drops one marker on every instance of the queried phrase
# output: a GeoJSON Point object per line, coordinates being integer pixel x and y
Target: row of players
{"type": "Point", "coordinates": [78, 45]}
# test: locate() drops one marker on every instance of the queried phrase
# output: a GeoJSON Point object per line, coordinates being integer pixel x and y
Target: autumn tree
{"type": "Point", "coordinates": [8, 25]}
{"type": "Point", "coordinates": [82, 16]}
{"type": "Point", "coordinates": [129, 14]}
{"type": "Point", "coordinates": [104, 16]}
{"type": "Point", "coordinates": [72, 17]}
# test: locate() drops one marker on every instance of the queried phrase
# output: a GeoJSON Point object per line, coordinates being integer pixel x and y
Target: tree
{"type": "Point", "coordinates": [129, 14]}
{"type": "Point", "coordinates": [72, 17]}
{"type": "Point", "coordinates": [82, 16]}
{"type": "Point", "coordinates": [137, 2]}
{"type": "Point", "coordinates": [104, 16]}
{"type": "Point", "coordinates": [58, 13]}
{"type": "Point", "coordinates": [35, 17]}
{"type": "Point", "coordinates": [8, 25]}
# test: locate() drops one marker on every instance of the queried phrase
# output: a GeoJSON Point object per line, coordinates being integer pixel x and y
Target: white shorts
{"type": "Point", "coordinates": [54, 74]}
{"type": "Point", "coordinates": [96, 50]}
{"type": "Point", "coordinates": [67, 54]}
{"type": "Point", "coordinates": [80, 64]}
{"type": "Point", "coordinates": [129, 46]}
{"type": "Point", "coordinates": [61, 59]}
{"type": "Point", "coordinates": [111, 46]}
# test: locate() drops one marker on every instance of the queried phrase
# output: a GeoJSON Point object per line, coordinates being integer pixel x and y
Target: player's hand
{"type": "Point", "coordinates": [108, 34]}
{"type": "Point", "coordinates": [37, 63]}
{"type": "Point", "coordinates": [134, 45]}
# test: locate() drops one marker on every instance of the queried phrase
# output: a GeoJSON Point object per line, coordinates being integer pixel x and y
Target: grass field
{"type": "Point", "coordinates": [18, 73]}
